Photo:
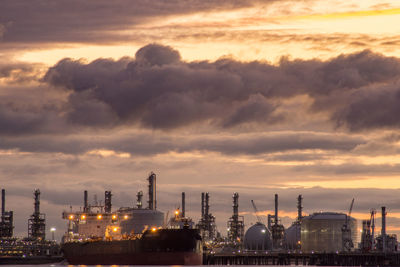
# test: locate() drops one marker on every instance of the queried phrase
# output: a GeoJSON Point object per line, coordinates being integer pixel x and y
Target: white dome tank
{"type": "Point", "coordinates": [292, 236]}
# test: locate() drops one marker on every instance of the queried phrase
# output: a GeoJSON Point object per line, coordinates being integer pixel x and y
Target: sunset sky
{"type": "Point", "coordinates": [249, 96]}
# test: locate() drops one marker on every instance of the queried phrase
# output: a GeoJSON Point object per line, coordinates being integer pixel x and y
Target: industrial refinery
{"type": "Point", "coordinates": [33, 249]}
{"type": "Point", "coordinates": [308, 240]}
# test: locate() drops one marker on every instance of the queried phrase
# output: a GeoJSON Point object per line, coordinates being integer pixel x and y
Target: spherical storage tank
{"type": "Point", "coordinates": [292, 236]}
{"type": "Point", "coordinates": [258, 237]}
{"type": "Point", "coordinates": [322, 232]}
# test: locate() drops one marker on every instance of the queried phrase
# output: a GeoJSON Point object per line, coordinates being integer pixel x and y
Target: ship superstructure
{"type": "Point", "coordinates": [98, 221]}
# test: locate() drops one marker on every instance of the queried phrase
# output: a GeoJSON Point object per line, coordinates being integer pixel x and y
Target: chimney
{"type": "Point", "coordinates": [37, 202]}
{"type": "Point", "coordinates": [139, 197]}
{"type": "Point", "coordinates": [85, 201]}
{"type": "Point", "coordinates": [183, 204]}
{"type": "Point", "coordinates": [207, 206]}
{"type": "Point", "coordinates": [235, 205]}
{"type": "Point", "coordinates": [202, 205]}
{"type": "Point", "coordinates": [107, 201]}
{"type": "Point", "coordinates": [152, 191]}
{"type": "Point", "coordinates": [3, 204]}
{"type": "Point", "coordinates": [383, 232]}
{"type": "Point", "coordinates": [276, 209]}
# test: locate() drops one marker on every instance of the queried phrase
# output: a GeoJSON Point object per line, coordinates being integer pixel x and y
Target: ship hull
{"type": "Point", "coordinates": [164, 247]}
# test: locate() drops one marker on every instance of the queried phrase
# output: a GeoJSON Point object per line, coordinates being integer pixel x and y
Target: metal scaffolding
{"type": "Point", "coordinates": [6, 224]}
{"type": "Point", "coordinates": [206, 224]}
{"type": "Point", "coordinates": [236, 222]}
{"type": "Point", "coordinates": [37, 221]}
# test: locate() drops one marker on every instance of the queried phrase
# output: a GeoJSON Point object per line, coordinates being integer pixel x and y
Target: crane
{"type": "Point", "coordinates": [347, 242]}
{"type": "Point", "coordinates": [259, 220]}
{"type": "Point", "coordinates": [372, 222]}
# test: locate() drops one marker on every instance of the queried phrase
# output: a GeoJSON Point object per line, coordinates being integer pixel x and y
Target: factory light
{"type": "Point", "coordinates": [115, 229]}
{"type": "Point", "coordinates": [177, 212]}
{"type": "Point", "coordinates": [83, 217]}
{"type": "Point", "coordinates": [99, 217]}
{"type": "Point", "coordinates": [263, 231]}
{"type": "Point", "coordinates": [71, 217]}
{"type": "Point", "coordinates": [126, 217]}
{"type": "Point", "coordinates": [52, 230]}
{"type": "Point", "coordinates": [153, 229]}
{"type": "Point", "coordinates": [114, 217]}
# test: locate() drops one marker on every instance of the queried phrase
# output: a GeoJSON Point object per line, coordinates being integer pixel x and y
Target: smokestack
{"type": "Point", "coordinates": [107, 201]}
{"type": "Point", "coordinates": [3, 204]}
{"type": "Point", "coordinates": [37, 202]}
{"type": "Point", "coordinates": [139, 197]}
{"type": "Point", "coordinates": [183, 204]}
{"type": "Point", "coordinates": [235, 205]}
{"type": "Point", "coordinates": [152, 191]}
{"type": "Point", "coordinates": [202, 205]}
{"type": "Point", "coordinates": [85, 201]}
{"type": "Point", "coordinates": [383, 232]}
{"type": "Point", "coordinates": [299, 207]}
{"type": "Point", "coordinates": [207, 206]}
{"type": "Point", "coordinates": [276, 209]}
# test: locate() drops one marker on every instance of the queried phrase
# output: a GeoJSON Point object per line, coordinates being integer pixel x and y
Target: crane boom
{"type": "Point", "coordinates": [256, 211]}
{"type": "Point", "coordinates": [350, 210]}
{"type": "Point", "coordinates": [351, 207]}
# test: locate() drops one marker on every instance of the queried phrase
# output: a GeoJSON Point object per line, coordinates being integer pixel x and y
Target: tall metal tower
{"type": "Point", "coordinates": [107, 201]}
{"type": "Point", "coordinates": [37, 221]}
{"type": "Point", "coordinates": [206, 224]}
{"type": "Point", "coordinates": [152, 191]}
{"type": "Point", "coordinates": [278, 231]}
{"type": "Point", "coordinates": [236, 222]}
{"type": "Point", "coordinates": [6, 224]}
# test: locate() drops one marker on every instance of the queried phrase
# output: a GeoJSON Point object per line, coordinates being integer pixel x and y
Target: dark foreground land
{"type": "Point", "coordinates": [321, 259]}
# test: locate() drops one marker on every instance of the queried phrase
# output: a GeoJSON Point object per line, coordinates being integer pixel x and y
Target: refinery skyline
{"type": "Point", "coordinates": [251, 96]}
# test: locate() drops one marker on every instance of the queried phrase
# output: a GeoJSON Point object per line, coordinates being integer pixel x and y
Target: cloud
{"type": "Point", "coordinates": [371, 108]}
{"type": "Point", "coordinates": [95, 21]}
{"type": "Point", "coordinates": [147, 144]}
{"type": "Point", "coordinates": [158, 90]}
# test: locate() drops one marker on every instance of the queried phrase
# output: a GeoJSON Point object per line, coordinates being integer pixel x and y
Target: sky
{"type": "Point", "coordinates": [249, 96]}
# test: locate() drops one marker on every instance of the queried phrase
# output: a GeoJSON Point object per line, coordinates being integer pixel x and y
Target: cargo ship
{"type": "Point", "coordinates": [130, 235]}
{"type": "Point", "coordinates": [154, 247]}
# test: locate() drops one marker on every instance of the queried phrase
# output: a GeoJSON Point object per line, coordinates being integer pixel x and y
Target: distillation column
{"type": "Point", "coordinates": [37, 221]}
{"type": "Point", "coordinates": [152, 191]}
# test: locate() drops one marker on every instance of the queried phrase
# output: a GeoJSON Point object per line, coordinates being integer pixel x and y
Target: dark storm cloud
{"type": "Point", "coordinates": [160, 91]}
{"type": "Point", "coordinates": [374, 107]}
{"type": "Point", "coordinates": [93, 20]}
{"type": "Point", "coordinates": [14, 121]}
{"type": "Point", "coordinates": [146, 144]}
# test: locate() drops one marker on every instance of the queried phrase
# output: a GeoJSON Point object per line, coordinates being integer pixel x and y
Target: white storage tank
{"type": "Point", "coordinates": [258, 237]}
{"type": "Point", "coordinates": [322, 232]}
{"type": "Point", "coordinates": [134, 221]}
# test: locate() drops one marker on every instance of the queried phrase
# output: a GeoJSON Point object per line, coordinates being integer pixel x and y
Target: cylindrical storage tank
{"type": "Point", "coordinates": [292, 236]}
{"type": "Point", "coordinates": [258, 237]}
{"type": "Point", "coordinates": [322, 232]}
{"type": "Point", "coordinates": [134, 221]}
